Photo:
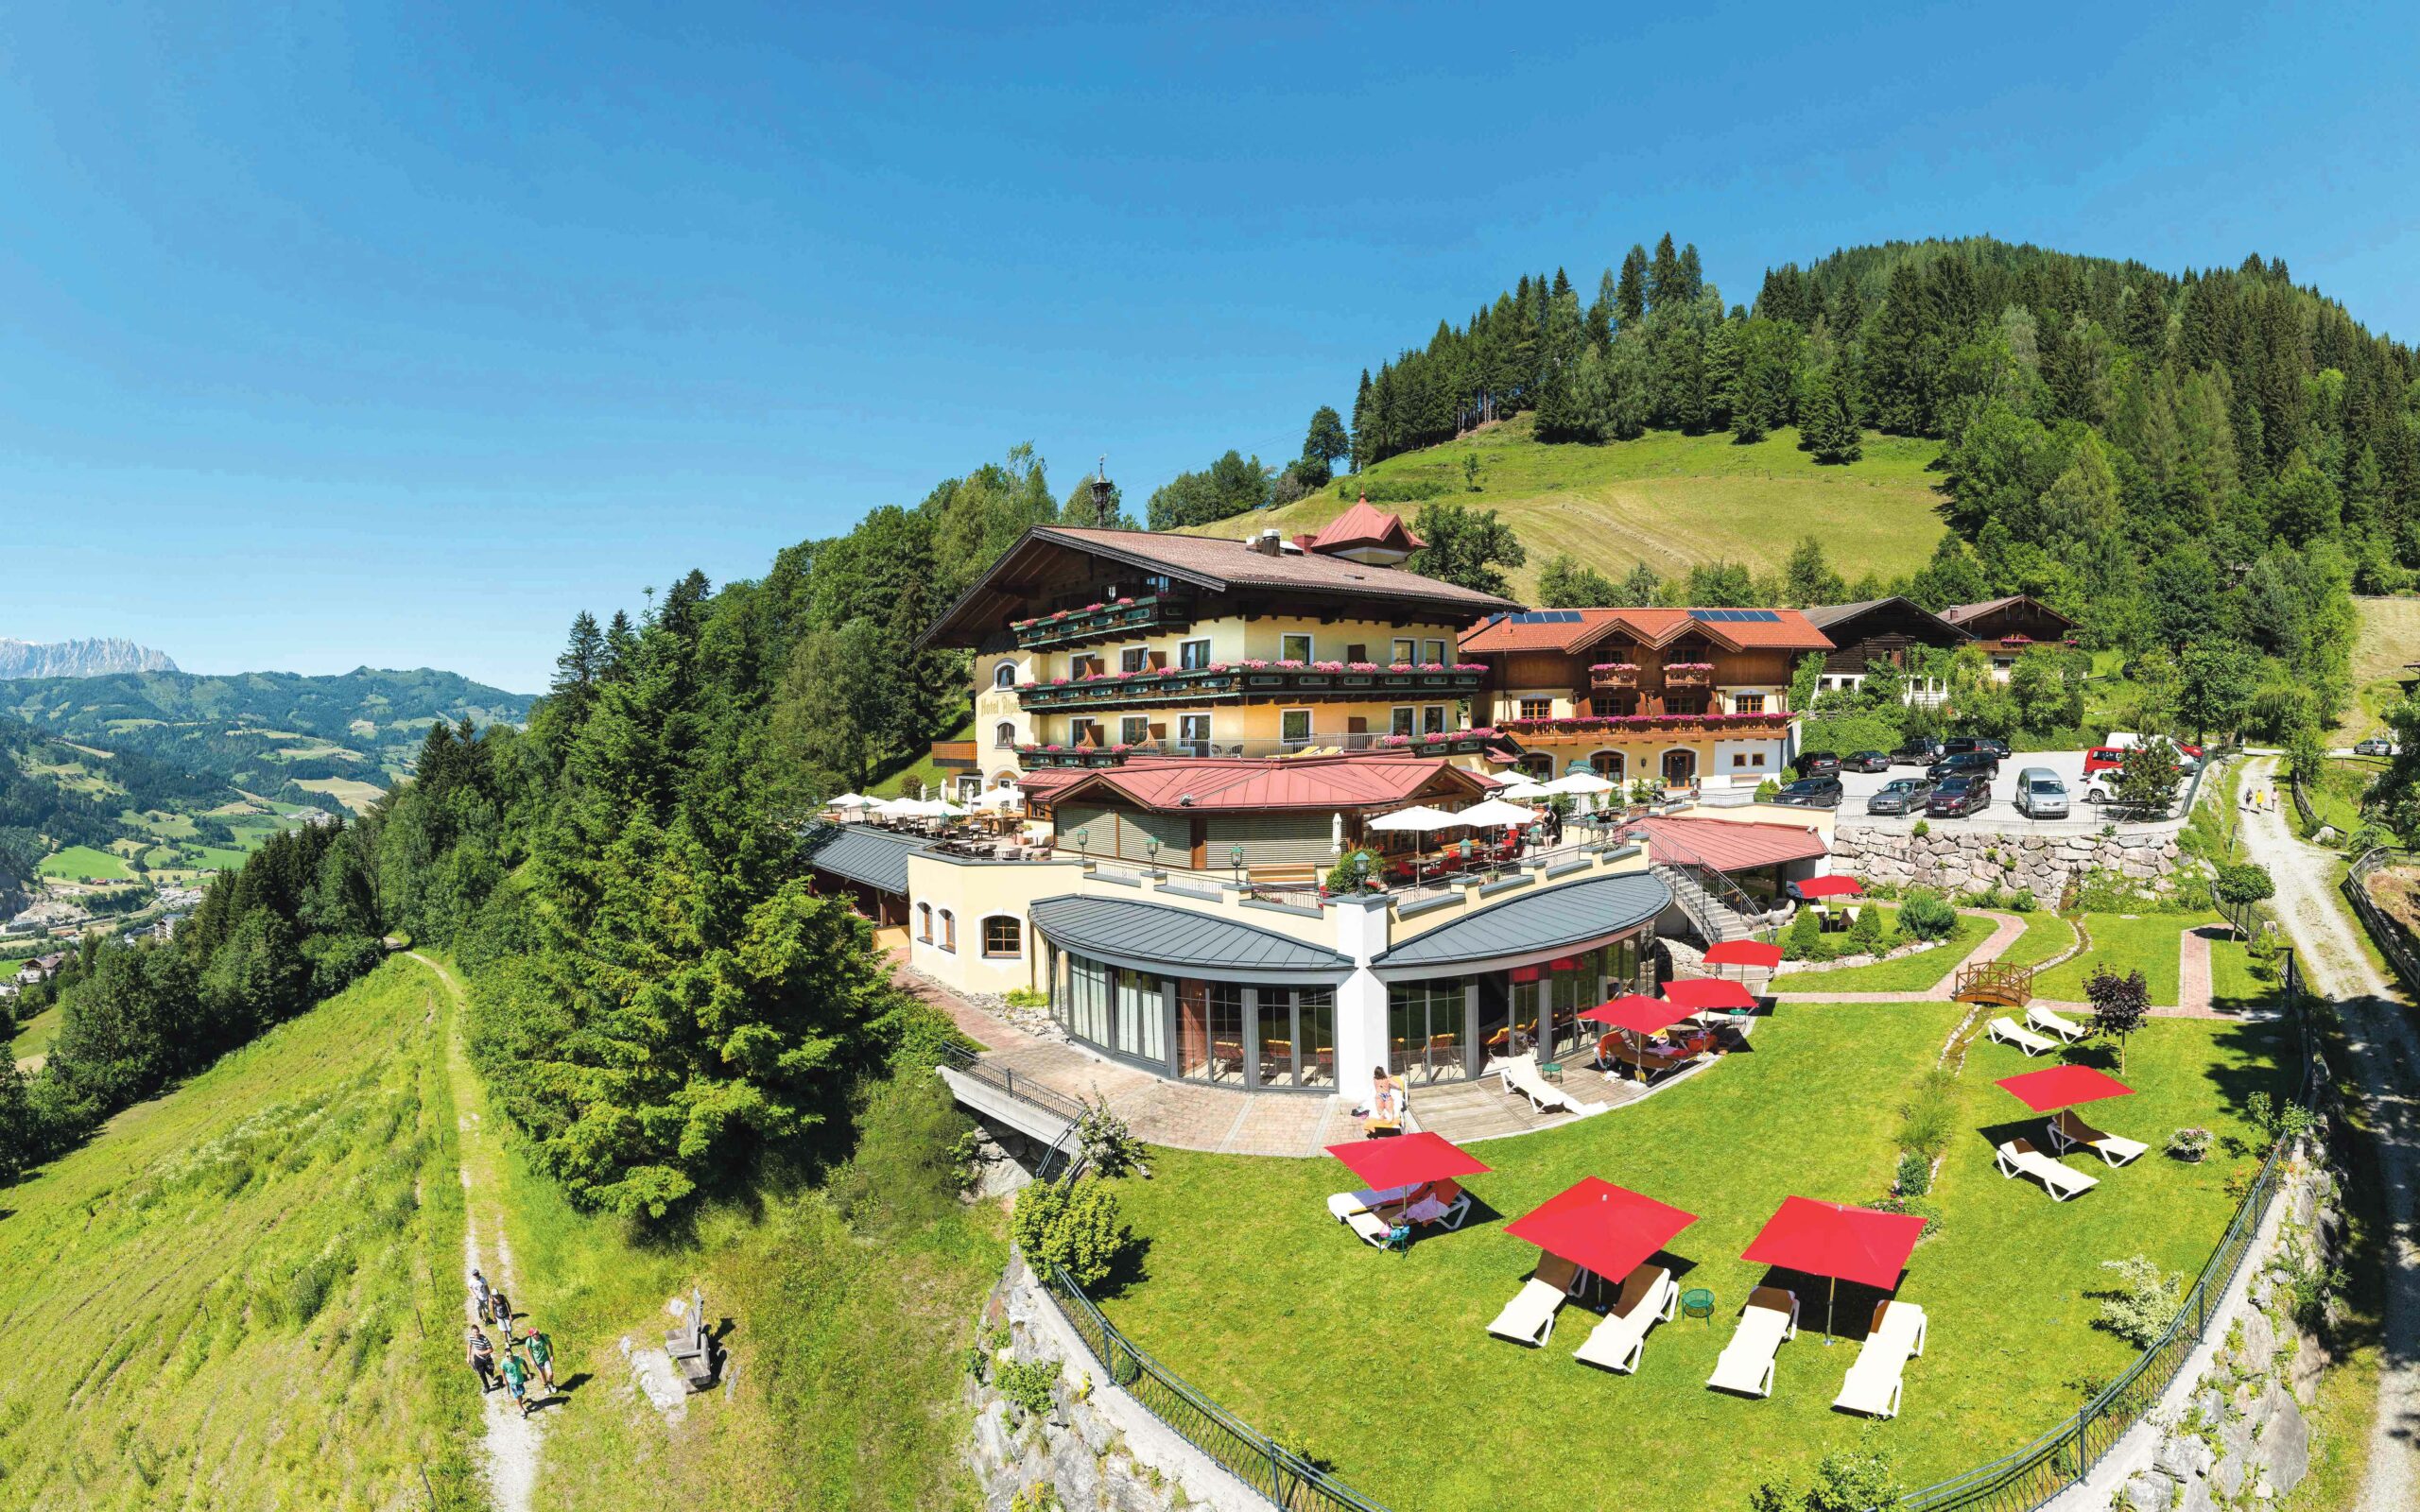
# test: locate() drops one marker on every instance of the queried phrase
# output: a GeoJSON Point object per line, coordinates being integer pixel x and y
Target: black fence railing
{"type": "Point", "coordinates": [2391, 941]}
{"type": "Point", "coordinates": [1025, 1089]}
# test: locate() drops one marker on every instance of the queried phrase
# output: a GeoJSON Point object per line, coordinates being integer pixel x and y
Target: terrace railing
{"type": "Point", "coordinates": [1133, 616]}
{"type": "Point", "coordinates": [1025, 1089]}
{"type": "Point", "coordinates": [1236, 680]}
{"type": "Point", "coordinates": [1445, 743]}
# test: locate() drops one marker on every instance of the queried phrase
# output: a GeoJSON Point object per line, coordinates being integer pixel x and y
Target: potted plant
{"type": "Point", "coordinates": [2190, 1144]}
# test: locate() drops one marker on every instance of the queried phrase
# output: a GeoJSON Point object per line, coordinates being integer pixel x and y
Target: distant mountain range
{"type": "Point", "coordinates": [78, 658]}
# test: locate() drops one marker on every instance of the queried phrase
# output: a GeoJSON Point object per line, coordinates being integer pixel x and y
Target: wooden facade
{"type": "Point", "coordinates": [1881, 630]}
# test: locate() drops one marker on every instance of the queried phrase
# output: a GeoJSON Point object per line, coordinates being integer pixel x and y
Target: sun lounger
{"type": "Point", "coordinates": [1871, 1386]}
{"type": "Point", "coordinates": [1520, 1075]}
{"type": "Point", "coordinates": [1648, 1298]}
{"type": "Point", "coordinates": [1443, 1202]}
{"type": "Point", "coordinates": [2043, 1018]}
{"type": "Point", "coordinates": [2019, 1157]}
{"type": "Point", "coordinates": [1746, 1366]}
{"type": "Point", "coordinates": [2008, 1031]}
{"type": "Point", "coordinates": [2067, 1130]}
{"type": "Point", "coordinates": [1372, 1225]}
{"type": "Point", "coordinates": [1528, 1318]}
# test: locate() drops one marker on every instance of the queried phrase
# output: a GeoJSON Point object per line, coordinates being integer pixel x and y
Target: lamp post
{"type": "Point", "coordinates": [1083, 843]}
{"type": "Point", "coordinates": [1236, 859]}
{"type": "Point", "coordinates": [1152, 853]}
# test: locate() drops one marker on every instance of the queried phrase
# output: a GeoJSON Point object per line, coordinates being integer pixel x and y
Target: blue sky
{"type": "Point", "coordinates": [346, 334]}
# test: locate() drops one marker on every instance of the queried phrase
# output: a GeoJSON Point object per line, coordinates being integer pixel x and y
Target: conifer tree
{"type": "Point", "coordinates": [1630, 296]}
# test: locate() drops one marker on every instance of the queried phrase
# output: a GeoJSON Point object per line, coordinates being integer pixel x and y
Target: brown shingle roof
{"type": "Point", "coordinates": [1365, 524]}
{"type": "Point", "coordinates": [1961, 613]}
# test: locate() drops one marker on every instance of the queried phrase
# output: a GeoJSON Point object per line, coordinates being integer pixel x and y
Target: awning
{"type": "Point", "coordinates": [1606, 1228]}
{"type": "Point", "coordinates": [1147, 936]}
{"type": "Point", "coordinates": [1564, 919]}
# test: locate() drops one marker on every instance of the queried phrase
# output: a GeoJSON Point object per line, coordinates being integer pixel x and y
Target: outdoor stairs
{"type": "Point", "coordinates": [1716, 920]}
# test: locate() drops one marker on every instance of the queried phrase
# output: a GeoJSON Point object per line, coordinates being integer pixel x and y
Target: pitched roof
{"type": "Point", "coordinates": [1215, 785]}
{"type": "Point", "coordinates": [1153, 937]}
{"type": "Point", "coordinates": [1205, 561]}
{"type": "Point", "coordinates": [1365, 524]}
{"type": "Point", "coordinates": [1562, 918]}
{"type": "Point", "coordinates": [1961, 613]}
{"type": "Point", "coordinates": [1572, 629]}
{"type": "Point", "coordinates": [1824, 616]}
{"type": "Point", "coordinates": [860, 852]}
{"type": "Point", "coordinates": [1728, 846]}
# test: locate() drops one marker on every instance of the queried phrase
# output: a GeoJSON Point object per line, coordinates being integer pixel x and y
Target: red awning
{"type": "Point", "coordinates": [1831, 1238]}
{"type": "Point", "coordinates": [1606, 1228]}
{"type": "Point", "coordinates": [1386, 1164]}
{"type": "Point", "coordinates": [2064, 1087]}
{"type": "Point", "coordinates": [1639, 1015]}
{"type": "Point", "coordinates": [1709, 992]}
{"type": "Point", "coordinates": [1829, 887]}
{"type": "Point", "coordinates": [1744, 952]}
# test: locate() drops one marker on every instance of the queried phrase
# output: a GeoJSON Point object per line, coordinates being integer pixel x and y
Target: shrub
{"type": "Point", "coordinates": [1109, 1148]}
{"type": "Point", "coordinates": [1916, 1207]}
{"type": "Point", "coordinates": [2278, 1121]}
{"type": "Point", "coordinates": [1026, 997]}
{"type": "Point", "coordinates": [1803, 939]}
{"type": "Point", "coordinates": [1916, 1173]}
{"type": "Point", "coordinates": [1348, 876]}
{"type": "Point", "coordinates": [1921, 828]}
{"type": "Point", "coordinates": [1074, 1224]}
{"type": "Point", "coordinates": [2190, 1144]}
{"type": "Point", "coordinates": [1927, 914]}
{"type": "Point", "coordinates": [1768, 790]}
{"type": "Point", "coordinates": [1866, 934]}
{"type": "Point", "coordinates": [2146, 1302]}
{"type": "Point", "coordinates": [2022, 901]}
{"type": "Point", "coordinates": [1930, 1112]}
{"type": "Point", "coordinates": [1845, 1480]}
{"type": "Point", "coordinates": [911, 1162]}
{"type": "Point", "coordinates": [1025, 1384]}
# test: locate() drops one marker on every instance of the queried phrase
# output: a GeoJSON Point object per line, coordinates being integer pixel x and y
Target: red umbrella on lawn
{"type": "Point", "coordinates": [1703, 992]}
{"type": "Point", "coordinates": [1829, 887]}
{"type": "Point", "coordinates": [1604, 1228]}
{"type": "Point", "coordinates": [1839, 1242]}
{"type": "Point", "coordinates": [1639, 1015]}
{"type": "Point", "coordinates": [1743, 954]}
{"type": "Point", "coordinates": [1406, 1161]}
{"type": "Point", "coordinates": [2058, 1087]}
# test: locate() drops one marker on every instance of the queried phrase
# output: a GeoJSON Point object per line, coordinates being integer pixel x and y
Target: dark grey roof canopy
{"type": "Point", "coordinates": [1556, 919]}
{"type": "Point", "coordinates": [878, 858]}
{"type": "Point", "coordinates": [1158, 937]}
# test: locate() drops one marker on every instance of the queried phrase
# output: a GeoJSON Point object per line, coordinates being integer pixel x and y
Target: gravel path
{"type": "Point", "coordinates": [2386, 1055]}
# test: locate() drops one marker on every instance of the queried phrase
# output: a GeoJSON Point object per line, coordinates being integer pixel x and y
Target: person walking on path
{"type": "Point", "coordinates": [500, 1310]}
{"type": "Point", "coordinates": [542, 1354]}
{"type": "Point", "coordinates": [516, 1380]}
{"type": "Point", "coordinates": [483, 1360]}
{"type": "Point", "coordinates": [479, 1294]}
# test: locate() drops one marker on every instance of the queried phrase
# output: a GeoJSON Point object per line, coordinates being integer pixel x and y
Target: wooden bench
{"type": "Point", "coordinates": [692, 1346]}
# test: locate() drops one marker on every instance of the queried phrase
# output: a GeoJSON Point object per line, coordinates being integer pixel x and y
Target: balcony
{"type": "Point", "coordinates": [1614, 675]}
{"type": "Point", "coordinates": [1616, 726]}
{"type": "Point", "coordinates": [954, 753]}
{"type": "Point", "coordinates": [1455, 742]}
{"type": "Point", "coordinates": [1251, 681]}
{"type": "Point", "coordinates": [1156, 611]}
{"type": "Point", "coordinates": [1688, 674]}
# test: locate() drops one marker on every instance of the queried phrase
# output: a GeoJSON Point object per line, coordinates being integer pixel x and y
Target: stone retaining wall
{"type": "Point", "coordinates": [1961, 860]}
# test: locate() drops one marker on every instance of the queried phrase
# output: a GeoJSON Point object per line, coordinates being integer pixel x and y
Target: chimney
{"type": "Point", "coordinates": [1268, 543]}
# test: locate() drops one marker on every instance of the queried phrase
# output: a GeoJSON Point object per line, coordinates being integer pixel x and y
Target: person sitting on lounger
{"type": "Point", "coordinates": [1386, 1106]}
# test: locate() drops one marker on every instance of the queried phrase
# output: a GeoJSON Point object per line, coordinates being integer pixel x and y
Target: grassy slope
{"type": "Point", "coordinates": [83, 861]}
{"type": "Point", "coordinates": [2045, 935]}
{"type": "Point", "coordinates": [2388, 638]}
{"type": "Point", "coordinates": [1666, 498]}
{"type": "Point", "coordinates": [2150, 943]}
{"type": "Point", "coordinates": [34, 1035]}
{"type": "Point", "coordinates": [1909, 974]}
{"type": "Point", "coordinates": [218, 1301]}
{"type": "Point", "coordinates": [1383, 1366]}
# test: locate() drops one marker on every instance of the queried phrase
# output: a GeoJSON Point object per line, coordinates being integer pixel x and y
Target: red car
{"type": "Point", "coordinates": [2109, 758]}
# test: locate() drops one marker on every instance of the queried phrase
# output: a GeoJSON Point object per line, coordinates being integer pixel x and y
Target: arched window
{"type": "Point", "coordinates": [1004, 735]}
{"type": "Point", "coordinates": [949, 930]}
{"type": "Point", "coordinates": [1003, 936]}
{"type": "Point", "coordinates": [1538, 765]}
{"type": "Point", "coordinates": [1680, 766]}
{"type": "Point", "coordinates": [1005, 674]}
{"type": "Point", "coordinates": [925, 922]}
{"type": "Point", "coordinates": [1607, 765]}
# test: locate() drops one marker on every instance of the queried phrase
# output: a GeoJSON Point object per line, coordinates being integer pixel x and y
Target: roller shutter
{"type": "Point", "coordinates": [1272, 839]}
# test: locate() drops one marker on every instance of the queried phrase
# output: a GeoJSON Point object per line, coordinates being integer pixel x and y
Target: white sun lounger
{"type": "Point", "coordinates": [1528, 1318]}
{"type": "Point", "coordinates": [2043, 1018]}
{"type": "Point", "coordinates": [1520, 1075]}
{"type": "Point", "coordinates": [2019, 1157]}
{"type": "Point", "coordinates": [1351, 1211]}
{"type": "Point", "coordinates": [1871, 1386]}
{"type": "Point", "coordinates": [2069, 1131]}
{"type": "Point", "coordinates": [1747, 1362]}
{"type": "Point", "coordinates": [1620, 1341]}
{"type": "Point", "coordinates": [2008, 1031]}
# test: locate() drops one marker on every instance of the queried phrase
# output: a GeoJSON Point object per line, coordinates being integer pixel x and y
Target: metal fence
{"type": "Point", "coordinates": [2391, 941]}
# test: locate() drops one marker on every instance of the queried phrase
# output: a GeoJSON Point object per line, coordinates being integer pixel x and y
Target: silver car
{"type": "Point", "coordinates": [1901, 795]}
{"type": "Point", "coordinates": [2040, 795]}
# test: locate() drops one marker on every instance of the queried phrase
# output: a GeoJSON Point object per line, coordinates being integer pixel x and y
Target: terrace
{"type": "Point", "coordinates": [1451, 742]}
{"type": "Point", "coordinates": [1744, 727]}
{"type": "Point", "coordinates": [1245, 681]}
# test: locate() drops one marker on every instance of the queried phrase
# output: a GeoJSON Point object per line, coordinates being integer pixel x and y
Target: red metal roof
{"type": "Point", "coordinates": [1788, 630]}
{"type": "Point", "coordinates": [1365, 524]}
{"type": "Point", "coordinates": [1191, 785]}
{"type": "Point", "coordinates": [1733, 847]}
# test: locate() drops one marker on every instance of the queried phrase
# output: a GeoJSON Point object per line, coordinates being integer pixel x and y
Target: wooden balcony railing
{"type": "Point", "coordinates": [953, 753]}
{"type": "Point", "coordinates": [1620, 674]}
{"type": "Point", "coordinates": [1688, 674]}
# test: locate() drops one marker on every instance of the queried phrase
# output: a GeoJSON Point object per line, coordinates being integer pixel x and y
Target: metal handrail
{"type": "Point", "coordinates": [967, 1063]}
{"type": "Point", "coordinates": [1664, 851]}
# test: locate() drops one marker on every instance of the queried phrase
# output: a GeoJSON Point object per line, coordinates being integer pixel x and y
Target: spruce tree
{"type": "Point", "coordinates": [1630, 296]}
{"type": "Point", "coordinates": [1663, 278]}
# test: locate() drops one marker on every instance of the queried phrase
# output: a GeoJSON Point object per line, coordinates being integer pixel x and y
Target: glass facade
{"type": "Point", "coordinates": [1428, 1030]}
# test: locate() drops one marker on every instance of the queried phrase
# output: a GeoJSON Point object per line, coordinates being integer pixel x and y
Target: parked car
{"type": "Point", "coordinates": [1959, 796]}
{"type": "Point", "coordinates": [1922, 751]}
{"type": "Point", "coordinates": [1901, 795]}
{"type": "Point", "coordinates": [2040, 795]}
{"type": "Point", "coordinates": [1818, 764]}
{"type": "Point", "coordinates": [2101, 786]}
{"type": "Point", "coordinates": [1964, 763]}
{"type": "Point", "coordinates": [2375, 746]}
{"type": "Point", "coordinates": [2112, 756]}
{"type": "Point", "coordinates": [1811, 792]}
{"type": "Point", "coordinates": [1866, 761]}
{"type": "Point", "coordinates": [1960, 745]}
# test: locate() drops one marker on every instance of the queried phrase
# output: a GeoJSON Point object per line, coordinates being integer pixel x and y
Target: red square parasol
{"type": "Point", "coordinates": [1405, 1161]}
{"type": "Point", "coordinates": [1594, 1224]}
{"type": "Point", "coordinates": [1830, 887]}
{"type": "Point", "coordinates": [2058, 1087]}
{"type": "Point", "coordinates": [1833, 1239]}
{"type": "Point", "coordinates": [1639, 1015]}
{"type": "Point", "coordinates": [1709, 992]}
{"type": "Point", "coordinates": [1744, 952]}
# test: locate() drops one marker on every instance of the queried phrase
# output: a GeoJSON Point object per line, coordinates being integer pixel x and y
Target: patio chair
{"type": "Point", "coordinates": [2019, 1157]}
{"type": "Point", "coordinates": [1528, 1318]}
{"type": "Point", "coordinates": [1872, 1386]}
{"type": "Point", "coordinates": [2040, 1018]}
{"type": "Point", "coordinates": [2009, 1032]}
{"type": "Point", "coordinates": [2067, 1130]}
{"type": "Point", "coordinates": [1769, 1319]}
{"type": "Point", "coordinates": [1648, 1296]}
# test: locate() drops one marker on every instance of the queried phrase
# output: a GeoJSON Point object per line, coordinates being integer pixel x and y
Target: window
{"type": "Point", "coordinates": [949, 930]}
{"type": "Point", "coordinates": [1601, 705]}
{"type": "Point", "coordinates": [1192, 734]}
{"type": "Point", "coordinates": [1424, 1030]}
{"type": "Point", "coordinates": [1002, 936]}
{"type": "Point", "coordinates": [1356, 653]}
{"type": "Point", "coordinates": [1004, 735]}
{"type": "Point", "coordinates": [1193, 654]}
{"type": "Point", "coordinates": [1434, 653]}
{"type": "Point", "coordinates": [1086, 1015]}
{"type": "Point", "coordinates": [1294, 726]}
{"type": "Point", "coordinates": [925, 922]}
{"type": "Point", "coordinates": [1134, 658]}
{"type": "Point", "coordinates": [1141, 1024]}
{"type": "Point", "coordinates": [1005, 674]}
{"type": "Point", "coordinates": [1537, 708]}
{"type": "Point", "coordinates": [1294, 648]}
{"type": "Point", "coordinates": [1133, 730]}
{"type": "Point", "coordinates": [1432, 719]}
{"type": "Point", "coordinates": [1401, 722]}
{"type": "Point", "coordinates": [1406, 651]}
{"type": "Point", "coordinates": [1747, 703]}
{"type": "Point", "coordinates": [1607, 765]}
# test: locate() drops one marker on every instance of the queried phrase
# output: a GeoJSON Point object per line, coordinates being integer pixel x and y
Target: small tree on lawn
{"type": "Point", "coordinates": [2119, 1004]}
{"type": "Point", "coordinates": [2148, 782]}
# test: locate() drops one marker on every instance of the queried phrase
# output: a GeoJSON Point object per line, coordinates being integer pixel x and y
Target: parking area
{"type": "Point", "coordinates": [1999, 816]}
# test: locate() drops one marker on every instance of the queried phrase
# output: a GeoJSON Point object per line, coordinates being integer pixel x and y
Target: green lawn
{"type": "Point", "coordinates": [1383, 1367]}
{"type": "Point", "coordinates": [1668, 499]}
{"type": "Point", "coordinates": [34, 1035]}
{"type": "Point", "coordinates": [2045, 935]}
{"type": "Point", "coordinates": [1909, 974]}
{"type": "Point", "coordinates": [81, 861]}
{"type": "Point", "coordinates": [2233, 988]}
{"type": "Point", "coordinates": [2336, 796]}
{"type": "Point", "coordinates": [2148, 943]}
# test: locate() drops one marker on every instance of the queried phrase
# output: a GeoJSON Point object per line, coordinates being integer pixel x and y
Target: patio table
{"type": "Point", "coordinates": [1698, 1302]}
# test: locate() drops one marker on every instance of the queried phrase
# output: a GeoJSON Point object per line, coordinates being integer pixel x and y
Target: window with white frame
{"type": "Point", "coordinates": [1747, 703]}
{"type": "Point", "coordinates": [925, 922]}
{"type": "Point", "coordinates": [1193, 731]}
{"type": "Point", "coordinates": [1005, 674]}
{"type": "Point", "coordinates": [1432, 719]}
{"type": "Point", "coordinates": [1294, 648]}
{"type": "Point", "coordinates": [1134, 728]}
{"type": "Point", "coordinates": [1134, 658]}
{"type": "Point", "coordinates": [949, 931]}
{"type": "Point", "coordinates": [1537, 708]}
{"type": "Point", "coordinates": [1004, 735]}
{"type": "Point", "coordinates": [1193, 654]}
{"type": "Point", "coordinates": [1401, 721]}
{"type": "Point", "coordinates": [1294, 725]}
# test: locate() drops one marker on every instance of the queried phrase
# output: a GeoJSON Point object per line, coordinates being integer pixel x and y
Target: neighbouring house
{"type": "Point", "coordinates": [1689, 696]}
{"type": "Point", "coordinates": [2007, 628]}
{"type": "Point", "coordinates": [1094, 646]}
{"type": "Point", "coordinates": [1889, 630]}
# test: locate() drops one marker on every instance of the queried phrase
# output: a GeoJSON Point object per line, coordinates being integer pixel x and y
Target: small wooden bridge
{"type": "Point", "coordinates": [1994, 982]}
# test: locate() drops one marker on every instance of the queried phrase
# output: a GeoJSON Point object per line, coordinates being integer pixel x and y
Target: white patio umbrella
{"type": "Point", "coordinates": [1000, 798]}
{"type": "Point", "coordinates": [850, 801]}
{"type": "Point", "coordinates": [1584, 784]}
{"type": "Point", "coordinates": [1419, 819]}
{"type": "Point", "coordinates": [1494, 811]}
{"type": "Point", "coordinates": [1526, 790]}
